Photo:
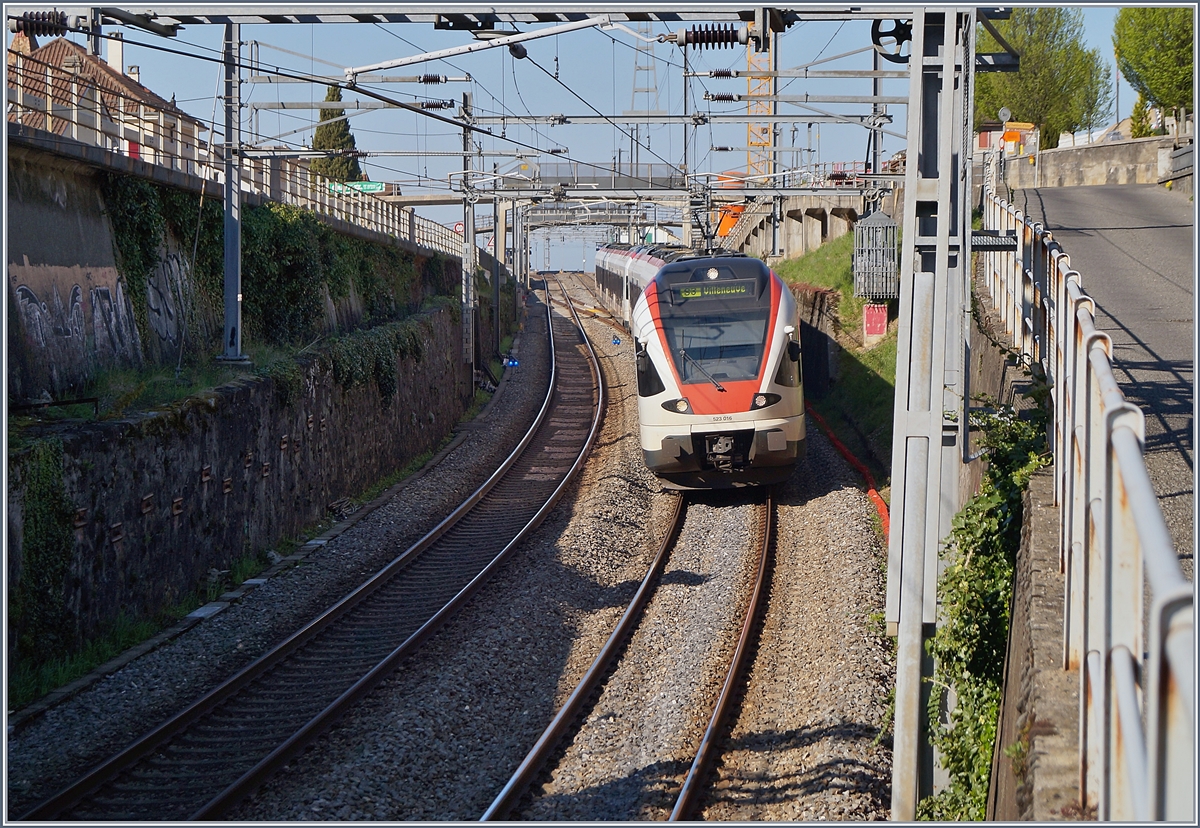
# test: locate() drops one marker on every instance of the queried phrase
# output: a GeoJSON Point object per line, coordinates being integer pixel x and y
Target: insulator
{"type": "Point", "coordinates": [722, 97]}
{"type": "Point", "coordinates": [437, 104]}
{"type": "Point", "coordinates": [433, 78]}
{"type": "Point", "coordinates": [721, 73]}
{"type": "Point", "coordinates": [713, 35]}
{"type": "Point", "coordinates": [40, 23]}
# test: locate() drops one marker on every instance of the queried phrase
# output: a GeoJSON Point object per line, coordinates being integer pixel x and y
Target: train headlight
{"type": "Point", "coordinates": [763, 400]}
{"type": "Point", "coordinates": [679, 406]}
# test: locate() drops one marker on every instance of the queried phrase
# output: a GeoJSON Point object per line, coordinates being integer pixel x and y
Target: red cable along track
{"type": "Point", "coordinates": [872, 493]}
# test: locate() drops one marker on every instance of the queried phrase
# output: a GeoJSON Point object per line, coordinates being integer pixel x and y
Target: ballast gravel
{"type": "Point", "coordinates": [806, 744]}
{"type": "Point", "coordinates": [628, 759]}
{"type": "Point", "coordinates": [439, 739]}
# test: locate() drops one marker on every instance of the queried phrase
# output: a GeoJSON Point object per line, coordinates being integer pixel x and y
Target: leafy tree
{"type": "Point", "coordinates": [1154, 51]}
{"type": "Point", "coordinates": [1095, 98]}
{"type": "Point", "coordinates": [1061, 85]}
{"type": "Point", "coordinates": [335, 136]}
{"type": "Point", "coordinates": [1139, 120]}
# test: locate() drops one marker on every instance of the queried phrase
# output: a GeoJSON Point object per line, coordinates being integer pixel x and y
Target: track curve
{"type": "Point", "coordinates": [224, 745]}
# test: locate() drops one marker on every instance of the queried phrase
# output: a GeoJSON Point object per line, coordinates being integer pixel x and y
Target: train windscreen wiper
{"type": "Point", "coordinates": [683, 353]}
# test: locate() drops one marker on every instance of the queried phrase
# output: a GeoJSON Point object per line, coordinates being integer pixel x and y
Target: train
{"type": "Point", "coordinates": [717, 350]}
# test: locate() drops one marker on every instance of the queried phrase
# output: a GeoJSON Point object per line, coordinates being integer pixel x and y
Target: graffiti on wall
{"type": "Point", "coordinates": [163, 288]}
{"type": "Point", "coordinates": [72, 321]}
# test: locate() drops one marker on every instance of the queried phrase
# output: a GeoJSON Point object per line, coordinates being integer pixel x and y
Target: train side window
{"type": "Point", "coordinates": [649, 383]}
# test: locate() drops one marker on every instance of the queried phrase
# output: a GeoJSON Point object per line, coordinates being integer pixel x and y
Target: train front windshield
{"type": "Point", "coordinates": [716, 331]}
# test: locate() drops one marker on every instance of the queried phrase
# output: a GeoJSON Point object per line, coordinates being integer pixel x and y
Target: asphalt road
{"type": "Point", "coordinates": [1134, 247]}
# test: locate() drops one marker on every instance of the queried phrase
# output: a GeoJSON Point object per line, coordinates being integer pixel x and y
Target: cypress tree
{"type": "Point", "coordinates": [335, 136]}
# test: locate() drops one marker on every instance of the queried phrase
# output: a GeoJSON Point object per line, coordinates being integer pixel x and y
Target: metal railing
{"type": "Point", "coordinates": [1137, 695]}
{"type": "Point", "coordinates": [286, 181]}
{"type": "Point", "coordinates": [66, 102]}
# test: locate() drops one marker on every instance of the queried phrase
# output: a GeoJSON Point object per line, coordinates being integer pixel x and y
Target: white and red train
{"type": "Point", "coordinates": [720, 391]}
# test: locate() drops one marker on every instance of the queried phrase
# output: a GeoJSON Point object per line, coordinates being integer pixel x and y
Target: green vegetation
{"type": "Point", "coordinates": [293, 265]}
{"type": "Point", "coordinates": [50, 668]}
{"type": "Point", "coordinates": [27, 682]}
{"type": "Point", "coordinates": [138, 230]}
{"type": "Point", "coordinates": [335, 135]}
{"type": "Point", "coordinates": [1155, 51]}
{"type": "Point", "coordinates": [37, 603]}
{"type": "Point", "coordinates": [1062, 86]}
{"type": "Point", "coordinates": [860, 411]}
{"type": "Point", "coordinates": [830, 267]}
{"type": "Point", "coordinates": [975, 593]}
{"type": "Point", "coordinates": [364, 355]}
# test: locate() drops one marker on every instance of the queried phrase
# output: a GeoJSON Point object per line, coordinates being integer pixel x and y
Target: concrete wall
{"type": "Point", "coordinates": [1140, 161]}
{"type": "Point", "coordinates": [70, 312]}
{"type": "Point", "coordinates": [808, 222]}
{"type": "Point", "coordinates": [817, 309]}
{"type": "Point", "coordinates": [228, 474]}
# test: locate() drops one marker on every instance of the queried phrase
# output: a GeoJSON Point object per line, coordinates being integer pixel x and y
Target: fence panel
{"type": "Point", "coordinates": [1137, 711]}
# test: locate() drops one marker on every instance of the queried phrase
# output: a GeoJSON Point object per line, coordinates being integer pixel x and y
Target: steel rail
{"type": "Point", "coordinates": [693, 782]}
{"type": "Point", "coordinates": [161, 735]}
{"type": "Point", "coordinates": [566, 716]}
{"type": "Point", "coordinates": [279, 757]}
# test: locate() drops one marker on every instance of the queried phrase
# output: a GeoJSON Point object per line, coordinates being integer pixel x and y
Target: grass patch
{"type": "Point", "coordinates": [29, 682]}
{"type": "Point", "coordinates": [865, 392]}
{"type": "Point", "coordinates": [860, 405]}
{"type": "Point", "coordinates": [829, 266]}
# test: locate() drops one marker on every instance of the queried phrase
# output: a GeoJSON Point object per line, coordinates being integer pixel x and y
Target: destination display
{"type": "Point", "coordinates": [714, 290]}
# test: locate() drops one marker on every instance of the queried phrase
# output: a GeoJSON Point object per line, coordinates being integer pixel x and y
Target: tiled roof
{"type": "Point", "coordinates": [111, 83]}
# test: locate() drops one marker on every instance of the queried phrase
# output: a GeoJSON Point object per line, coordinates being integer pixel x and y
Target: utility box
{"type": "Point", "coordinates": [875, 245]}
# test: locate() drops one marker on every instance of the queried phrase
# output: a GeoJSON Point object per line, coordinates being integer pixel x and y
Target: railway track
{"type": "Point", "coordinates": [569, 716]}
{"type": "Point", "coordinates": [224, 745]}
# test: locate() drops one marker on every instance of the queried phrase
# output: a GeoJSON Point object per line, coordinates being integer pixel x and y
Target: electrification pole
{"type": "Point", "coordinates": [468, 244]}
{"type": "Point", "coordinates": [233, 197]}
{"type": "Point", "coordinates": [931, 406]}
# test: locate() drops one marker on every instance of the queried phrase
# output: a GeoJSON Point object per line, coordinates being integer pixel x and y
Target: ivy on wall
{"type": "Point", "coordinates": [36, 602]}
{"type": "Point", "coordinates": [975, 592]}
{"type": "Point", "coordinates": [135, 212]}
{"type": "Point", "coordinates": [291, 261]}
{"type": "Point", "coordinates": [372, 354]}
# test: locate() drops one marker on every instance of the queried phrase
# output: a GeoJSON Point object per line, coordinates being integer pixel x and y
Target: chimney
{"type": "Point", "coordinates": [134, 72]}
{"type": "Point", "coordinates": [23, 43]}
{"type": "Point", "coordinates": [116, 51]}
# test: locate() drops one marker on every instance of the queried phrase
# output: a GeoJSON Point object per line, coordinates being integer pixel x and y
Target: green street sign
{"type": "Point", "coordinates": [356, 186]}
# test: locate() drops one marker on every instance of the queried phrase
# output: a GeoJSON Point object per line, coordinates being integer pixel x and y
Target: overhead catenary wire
{"type": "Point", "coordinates": [362, 89]}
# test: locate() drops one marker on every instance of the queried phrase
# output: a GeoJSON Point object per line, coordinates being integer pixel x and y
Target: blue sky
{"type": "Point", "coordinates": [597, 66]}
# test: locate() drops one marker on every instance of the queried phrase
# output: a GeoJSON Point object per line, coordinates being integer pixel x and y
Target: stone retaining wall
{"type": "Point", "coordinates": [1139, 161]}
{"type": "Point", "coordinates": [159, 499]}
